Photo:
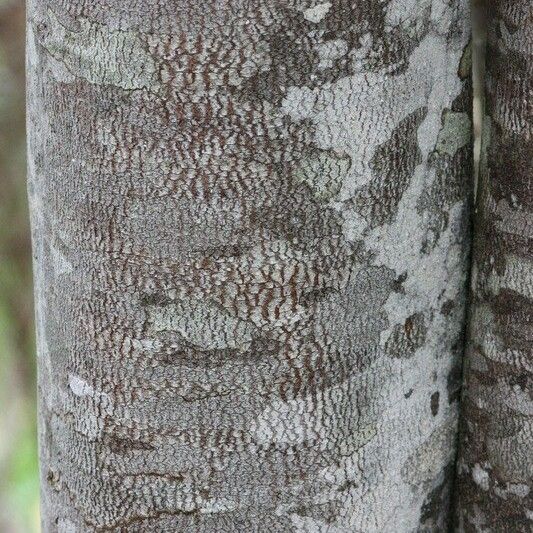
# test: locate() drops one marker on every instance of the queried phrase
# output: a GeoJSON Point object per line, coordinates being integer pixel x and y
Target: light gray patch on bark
{"type": "Point", "coordinates": [201, 324]}
{"type": "Point", "coordinates": [324, 173]}
{"type": "Point", "coordinates": [392, 165]}
{"type": "Point", "coordinates": [94, 53]}
{"type": "Point", "coordinates": [427, 460]}
{"type": "Point", "coordinates": [317, 13]}
{"type": "Point", "coordinates": [329, 51]}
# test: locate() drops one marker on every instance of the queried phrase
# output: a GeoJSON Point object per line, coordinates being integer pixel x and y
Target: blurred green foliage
{"type": "Point", "coordinates": [19, 481]}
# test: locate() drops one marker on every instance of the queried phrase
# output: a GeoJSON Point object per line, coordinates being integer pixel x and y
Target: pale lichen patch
{"type": "Point", "coordinates": [202, 324]}
{"type": "Point", "coordinates": [480, 477]}
{"type": "Point", "coordinates": [65, 526]}
{"type": "Point", "coordinates": [403, 12]}
{"type": "Point", "coordinates": [218, 506]}
{"type": "Point", "coordinates": [317, 13]}
{"type": "Point", "coordinates": [455, 133]}
{"type": "Point", "coordinates": [79, 386]}
{"type": "Point", "coordinates": [100, 56]}
{"type": "Point", "coordinates": [305, 524]}
{"type": "Point", "coordinates": [432, 455]}
{"type": "Point", "coordinates": [62, 265]}
{"type": "Point", "coordinates": [298, 421]}
{"type": "Point", "coordinates": [518, 489]}
{"type": "Point", "coordinates": [299, 102]}
{"type": "Point", "coordinates": [330, 51]}
{"type": "Point", "coordinates": [324, 173]}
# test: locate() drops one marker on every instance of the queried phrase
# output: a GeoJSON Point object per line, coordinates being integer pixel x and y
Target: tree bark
{"type": "Point", "coordinates": [495, 468]}
{"type": "Point", "coordinates": [251, 230]}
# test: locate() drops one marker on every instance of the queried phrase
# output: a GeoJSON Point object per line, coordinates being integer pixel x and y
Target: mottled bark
{"type": "Point", "coordinates": [495, 468]}
{"type": "Point", "coordinates": [251, 237]}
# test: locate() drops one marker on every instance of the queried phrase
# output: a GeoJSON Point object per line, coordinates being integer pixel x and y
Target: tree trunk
{"type": "Point", "coordinates": [495, 469]}
{"type": "Point", "coordinates": [251, 239]}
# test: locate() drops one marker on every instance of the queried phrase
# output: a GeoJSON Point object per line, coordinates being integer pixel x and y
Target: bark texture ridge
{"type": "Point", "coordinates": [251, 238]}
{"type": "Point", "coordinates": [495, 468]}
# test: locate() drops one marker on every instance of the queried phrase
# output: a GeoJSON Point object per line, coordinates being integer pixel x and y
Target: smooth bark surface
{"type": "Point", "coordinates": [251, 238]}
{"type": "Point", "coordinates": [495, 469]}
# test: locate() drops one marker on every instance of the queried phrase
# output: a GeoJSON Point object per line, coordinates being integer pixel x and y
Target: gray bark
{"type": "Point", "coordinates": [250, 228]}
{"type": "Point", "coordinates": [495, 468]}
